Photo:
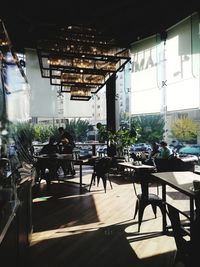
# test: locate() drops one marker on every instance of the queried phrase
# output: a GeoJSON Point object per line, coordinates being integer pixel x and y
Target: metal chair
{"type": "Point", "coordinates": [145, 198]}
{"type": "Point", "coordinates": [180, 232]}
{"type": "Point", "coordinates": [101, 170]}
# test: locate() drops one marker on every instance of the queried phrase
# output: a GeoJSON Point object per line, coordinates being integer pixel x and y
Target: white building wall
{"type": "Point", "coordinates": [45, 100]}
{"type": "Point", "coordinates": [43, 95]}
{"type": "Point", "coordinates": [98, 107]}
{"type": "Point", "coordinates": [76, 109]}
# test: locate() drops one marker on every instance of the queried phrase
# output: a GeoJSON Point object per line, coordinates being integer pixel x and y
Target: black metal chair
{"type": "Point", "coordinates": [179, 223]}
{"type": "Point", "coordinates": [186, 233]}
{"type": "Point", "coordinates": [145, 198]}
{"type": "Point", "coordinates": [46, 168]}
{"type": "Point", "coordinates": [101, 170]}
{"type": "Point", "coordinates": [174, 164]}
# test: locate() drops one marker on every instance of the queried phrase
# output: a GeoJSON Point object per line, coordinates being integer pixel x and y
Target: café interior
{"type": "Point", "coordinates": [112, 211]}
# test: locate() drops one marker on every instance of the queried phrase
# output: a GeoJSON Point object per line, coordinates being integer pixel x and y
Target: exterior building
{"type": "Point", "coordinates": [99, 107]}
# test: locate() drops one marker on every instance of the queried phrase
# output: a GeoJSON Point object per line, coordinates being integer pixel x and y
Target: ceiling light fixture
{"type": "Point", "coordinates": [79, 57]}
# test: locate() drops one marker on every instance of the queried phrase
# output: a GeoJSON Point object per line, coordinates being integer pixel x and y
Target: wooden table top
{"type": "Point", "coordinates": [180, 180]}
{"type": "Point", "coordinates": [134, 165]}
{"type": "Point", "coordinates": [61, 157]}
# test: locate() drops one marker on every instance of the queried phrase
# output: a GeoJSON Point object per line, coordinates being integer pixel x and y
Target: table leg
{"type": "Point", "coordinates": [191, 209]}
{"type": "Point", "coordinates": [94, 150]}
{"type": "Point", "coordinates": [191, 216]}
{"type": "Point", "coordinates": [80, 169]}
{"type": "Point", "coordinates": [164, 215]}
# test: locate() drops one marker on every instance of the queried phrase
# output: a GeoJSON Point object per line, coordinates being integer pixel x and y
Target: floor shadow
{"type": "Point", "coordinates": [95, 248]}
{"type": "Point", "coordinates": [60, 205]}
{"type": "Point", "coordinates": [120, 179]}
{"type": "Point", "coordinates": [106, 246]}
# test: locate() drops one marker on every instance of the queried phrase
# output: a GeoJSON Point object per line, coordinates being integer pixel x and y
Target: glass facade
{"type": "Point", "coordinates": [165, 70]}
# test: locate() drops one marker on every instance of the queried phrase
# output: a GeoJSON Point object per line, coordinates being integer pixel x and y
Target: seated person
{"type": "Point", "coordinates": [153, 154]}
{"type": "Point", "coordinates": [67, 148]}
{"type": "Point", "coordinates": [155, 150]}
{"type": "Point", "coordinates": [50, 148]}
{"type": "Point", "coordinates": [65, 139]}
{"type": "Point", "coordinates": [47, 164]}
{"type": "Point", "coordinates": [165, 161]}
{"type": "Point", "coordinates": [165, 151]}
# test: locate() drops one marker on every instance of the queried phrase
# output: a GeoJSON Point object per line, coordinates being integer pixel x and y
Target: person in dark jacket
{"type": "Point", "coordinates": [50, 148]}
{"type": "Point", "coordinates": [66, 146]}
{"type": "Point", "coordinates": [155, 151]}
{"type": "Point", "coordinates": [45, 164]}
{"type": "Point", "coordinates": [66, 141]}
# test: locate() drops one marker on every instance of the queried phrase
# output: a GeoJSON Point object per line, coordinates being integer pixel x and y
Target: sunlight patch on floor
{"type": "Point", "coordinates": [64, 231]}
{"type": "Point", "coordinates": [147, 243]}
{"type": "Point", "coordinates": [149, 247]}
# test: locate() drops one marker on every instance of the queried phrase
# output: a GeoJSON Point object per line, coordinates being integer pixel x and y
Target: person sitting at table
{"type": "Point", "coordinates": [165, 151]}
{"type": "Point", "coordinates": [155, 150]}
{"type": "Point", "coordinates": [66, 145]}
{"type": "Point", "coordinates": [153, 154]}
{"type": "Point", "coordinates": [47, 164]}
{"type": "Point", "coordinates": [67, 139]}
{"type": "Point", "coordinates": [50, 148]}
{"type": "Point", "coordinates": [66, 148]}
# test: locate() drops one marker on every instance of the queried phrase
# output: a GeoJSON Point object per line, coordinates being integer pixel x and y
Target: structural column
{"type": "Point", "coordinates": [111, 109]}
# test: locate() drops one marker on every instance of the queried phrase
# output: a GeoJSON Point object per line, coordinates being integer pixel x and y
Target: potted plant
{"type": "Point", "coordinates": [121, 139]}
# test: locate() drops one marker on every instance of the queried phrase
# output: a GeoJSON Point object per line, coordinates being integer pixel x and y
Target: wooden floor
{"type": "Point", "coordinates": [95, 228]}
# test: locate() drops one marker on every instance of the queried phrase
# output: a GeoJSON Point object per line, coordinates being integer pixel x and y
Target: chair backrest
{"type": "Point", "coordinates": [115, 160]}
{"type": "Point", "coordinates": [173, 164]}
{"type": "Point", "coordinates": [103, 165]}
{"type": "Point", "coordinates": [197, 202]}
{"type": "Point", "coordinates": [143, 177]}
{"type": "Point", "coordinates": [179, 232]}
